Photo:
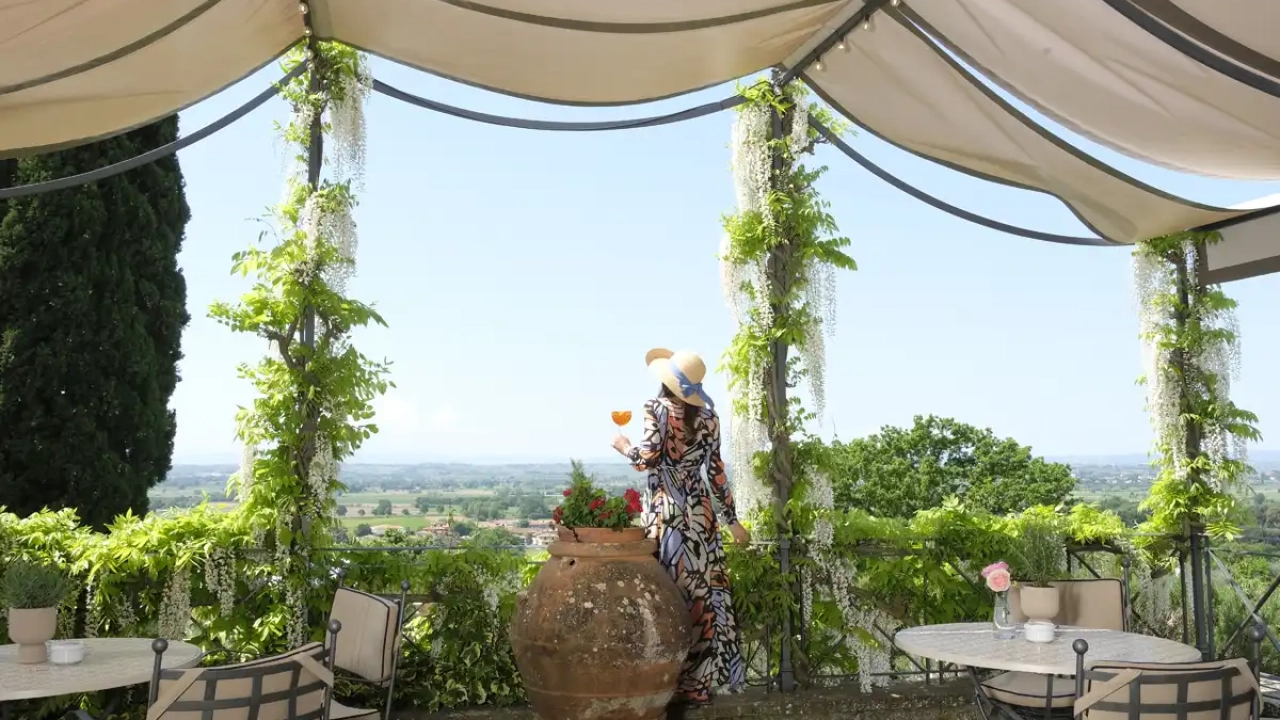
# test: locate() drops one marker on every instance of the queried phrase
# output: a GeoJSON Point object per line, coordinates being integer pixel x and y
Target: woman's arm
{"type": "Point", "coordinates": [719, 482]}
{"type": "Point", "coordinates": [645, 455]}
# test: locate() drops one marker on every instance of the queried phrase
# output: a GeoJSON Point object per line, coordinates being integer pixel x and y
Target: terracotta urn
{"type": "Point", "coordinates": [602, 631]}
{"type": "Point", "coordinates": [30, 629]}
{"type": "Point", "coordinates": [1039, 604]}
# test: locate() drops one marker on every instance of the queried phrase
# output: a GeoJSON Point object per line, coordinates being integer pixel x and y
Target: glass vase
{"type": "Point", "coordinates": [1002, 624]}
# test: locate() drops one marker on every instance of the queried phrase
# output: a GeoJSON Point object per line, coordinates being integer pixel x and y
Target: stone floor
{"type": "Point", "coordinates": [951, 701]}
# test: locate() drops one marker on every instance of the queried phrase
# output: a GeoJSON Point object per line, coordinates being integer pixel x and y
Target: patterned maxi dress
{"type": "Point", "coordinates": [682, 518]}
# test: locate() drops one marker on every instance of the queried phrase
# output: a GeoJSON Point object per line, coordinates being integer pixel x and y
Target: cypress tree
{"type": "Point", "coordinates": [92, 307]}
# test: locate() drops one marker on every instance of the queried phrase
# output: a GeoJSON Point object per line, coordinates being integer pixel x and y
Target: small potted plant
{"type": "Point", "coordinates": [33, 592]}
{"type": "Point", "coordinates": [587, 509]}
{"type": "Point", "coordinates": [1039, 562]}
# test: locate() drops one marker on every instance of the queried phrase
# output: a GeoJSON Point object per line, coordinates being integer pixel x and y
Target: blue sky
{"type": "Point", "coordinates": [524, 275]}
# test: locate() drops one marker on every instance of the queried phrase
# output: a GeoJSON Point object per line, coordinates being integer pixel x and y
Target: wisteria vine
{"type": "Point", "coordinates": [314, 388]}
{"type": "Point", "coordinates": [1191, 356]}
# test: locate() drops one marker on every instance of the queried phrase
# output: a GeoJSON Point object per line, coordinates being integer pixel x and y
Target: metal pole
{"type": "Point", "coordinates": [786, 671]}
{"type": "Point", "coordinates": [1197, 593]}
{"type": "Point", "coordinates": [1210, 620]}
{"type": "Point", "coordinates": [781, 472]}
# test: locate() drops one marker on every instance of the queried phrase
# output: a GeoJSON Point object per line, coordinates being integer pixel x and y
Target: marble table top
{"type": "Point", "coordinates": [108, 663]}
{"type": "Point", "coordinates": [974, 645]}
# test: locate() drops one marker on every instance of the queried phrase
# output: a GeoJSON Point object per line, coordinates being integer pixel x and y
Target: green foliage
{"type": "Point", "coordinates": [1194, 485]}
{"type": "Point", "coordinates": [27, 585]}
{"type": "Point", "coordinates": [494, 537]}
{"type": "Point", "coordinates": [796, 239]}
{"type": "Point", "coordinates": [587, 506]}
{"type": "Point", "coordinates": [901, 471]}
{"type": "Point", "coordinates": [383, 508]}
{"type": "Point", "coordinates": [92, 308]}
{"type": "Point", "coordinates": [315, 391]}
{"type": "Point", "coordinates": [1039, 558]}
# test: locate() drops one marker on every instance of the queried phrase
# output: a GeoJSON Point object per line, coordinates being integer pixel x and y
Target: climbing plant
{"type": "Point", "coordinates": [1191, 354]}
{"type": "Point", "coordinates": [778, 260]}
{"type": "Point", "coordinates": [314, 388]}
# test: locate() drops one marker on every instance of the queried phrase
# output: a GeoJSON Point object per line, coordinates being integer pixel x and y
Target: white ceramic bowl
{"type": "Point", "coordinates": [1039, 632]}
{"type": "Point", "coordinates": [66, 652]}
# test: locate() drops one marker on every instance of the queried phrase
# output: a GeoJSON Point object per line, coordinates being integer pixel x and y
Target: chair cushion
{"type": "Point", "coordinates": [367, 641]}
{"type": "Point", "coordinates": [1029, 690]}
{"type": "Point", "coordinates": [1095, 604]}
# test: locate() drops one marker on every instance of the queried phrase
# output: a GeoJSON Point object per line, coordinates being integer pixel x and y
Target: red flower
{"type": "Point", "coordinates": [568, 492]}
{"type": "Point", "coordinates": [559, 513]}
{"type": "Point", "coordinates": [633, 501]}
{"type": "Point", "coordinates": [597, 504]}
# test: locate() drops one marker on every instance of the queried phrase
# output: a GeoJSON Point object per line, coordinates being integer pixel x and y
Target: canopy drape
{"type": "Point", "coordinates": [1192, 85]}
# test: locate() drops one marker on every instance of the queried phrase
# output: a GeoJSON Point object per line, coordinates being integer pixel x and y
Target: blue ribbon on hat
{"type": "Point", "coordinates": [689, 389]}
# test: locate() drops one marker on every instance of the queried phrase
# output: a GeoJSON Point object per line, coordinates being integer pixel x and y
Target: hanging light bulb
{"type": "Point", "coordinates": [819, 65]}
{"type": "Point", "coordinates": [866, 24]}
{"type": "Point", "coordinates": [843, 45]}
{"type": "Point", "coordinates": [895, 3]}
{"type": "Point", "coordinates": [302, 8]}
{"type": "Point", "coordinates": [306, 31]}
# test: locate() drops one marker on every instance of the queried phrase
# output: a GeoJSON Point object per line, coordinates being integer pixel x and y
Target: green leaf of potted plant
{"type": "Point", "coordinates": [586, 508]}
{"type": "Point", "coordinates": [33, 592]}
{"type": "Point", "coordinates": [1038, 563]}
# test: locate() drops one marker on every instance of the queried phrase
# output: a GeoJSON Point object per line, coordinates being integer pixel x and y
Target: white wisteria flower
{"type": "Point", "coordinates": [347, 123]}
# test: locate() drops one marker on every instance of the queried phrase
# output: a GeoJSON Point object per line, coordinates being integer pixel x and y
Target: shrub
{"type": "Point", "coordinates": [29, 585]}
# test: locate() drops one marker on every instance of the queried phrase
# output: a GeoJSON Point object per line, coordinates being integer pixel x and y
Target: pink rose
{"type": "Point", "coordinates": [998, 580]}
{"type": "Point", "coordinates": [994, 567]}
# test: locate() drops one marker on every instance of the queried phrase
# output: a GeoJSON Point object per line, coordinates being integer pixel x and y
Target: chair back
{"type": "Point", "coordinates": [370, 634]}
{"type": "Point", "coordinates": [1097, 604]}
{"type": "Point", "coordinates": [291, 686]}
{"type": "Point", "coordinates": [1223, 690]}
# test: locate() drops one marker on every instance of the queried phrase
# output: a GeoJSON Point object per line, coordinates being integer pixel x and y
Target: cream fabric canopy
{"type": "Point", "coordinates": [1192, 85]}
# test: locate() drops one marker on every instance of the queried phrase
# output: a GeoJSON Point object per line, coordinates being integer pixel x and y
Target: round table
{"type": "Point", "coordinates": [108, 663]}
{"type": "Point", "coordinates": [974, 645]}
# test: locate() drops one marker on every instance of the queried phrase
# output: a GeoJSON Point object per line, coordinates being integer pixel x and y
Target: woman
{"type": "Point", "coordinates": [681, 443]}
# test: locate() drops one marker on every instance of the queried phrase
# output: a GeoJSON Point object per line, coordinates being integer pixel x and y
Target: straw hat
{"type": "Point", "coordinates": [682, 373]}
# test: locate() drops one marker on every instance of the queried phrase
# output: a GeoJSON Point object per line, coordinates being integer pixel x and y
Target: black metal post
{"type": "Point", "coordinates": [1210, 618]}
{"type": "Point", "coordinates": [1182, 586]}
{"type": "Point", "coordinates": [781, 471]}
{"type": "Point", "coordinates": [1197, 593]}
{"type": "Point", "coordinates": [1080, 647]}
{"type": "Point", "coordinates": [1126, 597]}
{"type": "Point", "coordinates": [786, 671]}
{"type": "Point", "coordinates": [1257, 633]}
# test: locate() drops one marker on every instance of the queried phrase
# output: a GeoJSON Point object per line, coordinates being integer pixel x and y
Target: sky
{"type": "Point", "coordinates": [523, 276]}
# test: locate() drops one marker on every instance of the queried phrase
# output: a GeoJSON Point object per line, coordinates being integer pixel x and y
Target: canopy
{"type": "Point", "coordinates": [1192, 85]}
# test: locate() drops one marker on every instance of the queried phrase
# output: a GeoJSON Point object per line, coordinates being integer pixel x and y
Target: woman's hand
{"type": "Point", "coordinates": [621, 444]}
{"type": "Point", "coordinates": [740, 534]}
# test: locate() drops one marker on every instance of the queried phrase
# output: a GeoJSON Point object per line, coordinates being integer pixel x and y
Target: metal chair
{"type": "Point", "coordinates": [371, 643]}
{"type": "Point", "coordinates": [1098, 604]}
{"type": "Point", "coordinates": [297, 685]}
{"type": "Point", "coordinates": [1222, 690]}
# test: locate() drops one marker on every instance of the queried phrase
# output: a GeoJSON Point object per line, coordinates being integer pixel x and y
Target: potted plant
{"type": "Point", "coordinates": [1039, 563]}
{"type": "Point", "coordinates": [602, 630]}
{"type": "Point", "coordinates": [33, 592]}
{"type": "Point", "coordinates": [587, 510]}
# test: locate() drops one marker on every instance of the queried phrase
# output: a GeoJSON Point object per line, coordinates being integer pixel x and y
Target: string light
{"type": "Point", "coordinates": [819, 65]}
{"type": "Point", "coordinates": [302, 8]}
{"type": "Point", "coordinates": [895, 3]}
{"type": "Point", "coordinates": [306, 31]}
{"type": "Point", "coordinates": [866, 24]}
{"type": "Point", "coordinates": [842, 46]}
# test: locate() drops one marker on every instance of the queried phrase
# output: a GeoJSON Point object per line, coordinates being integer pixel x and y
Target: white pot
{"type": "Point", "coordinates": [1039, 604]}
{"type": "Point", "coordinates": [31, 629]}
